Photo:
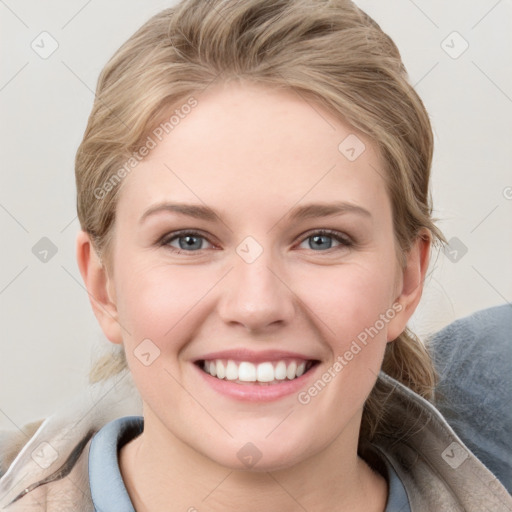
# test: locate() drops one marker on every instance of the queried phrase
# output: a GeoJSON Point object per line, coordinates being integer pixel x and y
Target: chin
{"type": "Point", "coordinates": [259, 457]}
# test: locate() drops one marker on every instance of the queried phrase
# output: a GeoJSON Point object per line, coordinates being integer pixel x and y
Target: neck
{"type": "Point", "coordinates": [162, 473]}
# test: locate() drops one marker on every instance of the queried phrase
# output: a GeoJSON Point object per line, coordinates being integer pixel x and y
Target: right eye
{"type": "Point", "coordinates": [188, 241]}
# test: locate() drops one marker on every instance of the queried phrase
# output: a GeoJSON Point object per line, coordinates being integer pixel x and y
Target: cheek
{"type": "Point", "coordinates": [155, 300]}
{"type": "Point", "coordinates": [349, 299]}
{"type": "Point", "coordinates": [159, 307]}
{"type": "Point", "coordinates": [354, 310]}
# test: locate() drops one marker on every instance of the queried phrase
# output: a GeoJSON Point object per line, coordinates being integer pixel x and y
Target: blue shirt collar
{"type": "Point", "coordinates": [109, 492]}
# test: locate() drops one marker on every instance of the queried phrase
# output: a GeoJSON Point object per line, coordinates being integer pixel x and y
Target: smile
{"type": "Point", "coordinates": [266, 372]}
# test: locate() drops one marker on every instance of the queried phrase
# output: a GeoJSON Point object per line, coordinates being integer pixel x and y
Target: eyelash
{"type": "Point", "coordinates": [345, 241]}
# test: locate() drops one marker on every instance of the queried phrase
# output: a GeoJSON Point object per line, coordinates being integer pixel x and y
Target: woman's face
{"type": "Point", "coordinates": [256, 237]}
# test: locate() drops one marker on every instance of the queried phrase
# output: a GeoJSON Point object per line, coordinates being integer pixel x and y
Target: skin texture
{"type": "Point", "coordinates": [252, 154]}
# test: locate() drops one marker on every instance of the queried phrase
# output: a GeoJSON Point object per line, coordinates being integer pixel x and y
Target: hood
{"type": "Point", "coordinates": [53, 450]}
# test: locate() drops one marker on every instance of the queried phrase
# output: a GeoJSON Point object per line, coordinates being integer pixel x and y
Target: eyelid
{"type": "Point", "coordinates": [343, 243]}
{"type": "Point", "coordinates": [171, 236]}
{"type": "Point", "coordinates": [342, 238]}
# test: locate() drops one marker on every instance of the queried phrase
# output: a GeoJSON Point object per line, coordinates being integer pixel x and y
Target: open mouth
{"type": "Point", "coordinates": [264, 373]}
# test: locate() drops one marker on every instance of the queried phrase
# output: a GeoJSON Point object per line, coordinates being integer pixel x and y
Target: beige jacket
{"type": "Point", "coordinates": [50, 472]}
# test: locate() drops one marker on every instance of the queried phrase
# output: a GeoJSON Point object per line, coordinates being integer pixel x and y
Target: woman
{"type": "Point", "coordinates": [253, 192]}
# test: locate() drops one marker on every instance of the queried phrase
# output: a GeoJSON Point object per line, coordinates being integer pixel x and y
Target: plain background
{"type": "Point", "coordinates": [49, 335]}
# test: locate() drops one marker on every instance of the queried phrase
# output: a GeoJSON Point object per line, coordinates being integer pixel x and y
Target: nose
{"type": "Point", "coordinates": [256, 296]}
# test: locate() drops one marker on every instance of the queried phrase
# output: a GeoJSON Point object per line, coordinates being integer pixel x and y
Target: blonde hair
{"type": "Point", "coordinates": [328, 51]}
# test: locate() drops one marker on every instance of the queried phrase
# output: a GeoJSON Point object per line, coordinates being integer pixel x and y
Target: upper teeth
{"type": "Point", "coordinates": [250, 372]}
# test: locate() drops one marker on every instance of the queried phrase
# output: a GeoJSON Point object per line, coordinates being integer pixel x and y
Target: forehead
{"type": "Point", "coordinates": [244, 144]}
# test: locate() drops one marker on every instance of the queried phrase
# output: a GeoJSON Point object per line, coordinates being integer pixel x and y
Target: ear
{"type": "Point", "coordinates": [99, 287]}
{"type": "Point", "coordinates": [410, 283]}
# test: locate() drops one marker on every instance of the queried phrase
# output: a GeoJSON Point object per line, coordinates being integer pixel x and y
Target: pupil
{"type": "Point", "coordinates": [189, 242]}
{"type": "Point", "coordinates": [318, 240]}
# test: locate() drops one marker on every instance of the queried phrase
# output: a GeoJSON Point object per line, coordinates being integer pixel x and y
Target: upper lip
{"type": "Point", "coordinates": [244, 354]}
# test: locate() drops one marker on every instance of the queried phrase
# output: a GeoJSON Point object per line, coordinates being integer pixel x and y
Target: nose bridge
{"type": "Point", "coordinates": [254, 293]}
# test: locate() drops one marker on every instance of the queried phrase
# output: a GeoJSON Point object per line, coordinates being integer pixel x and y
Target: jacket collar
{"type": "Point", "coordinates": [438, 471]}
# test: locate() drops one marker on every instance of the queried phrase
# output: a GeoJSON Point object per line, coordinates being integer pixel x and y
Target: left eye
{"type": "Point", "coordinates": [323, 239]}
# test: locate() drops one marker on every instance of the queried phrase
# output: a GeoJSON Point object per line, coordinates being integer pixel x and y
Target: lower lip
{"type": "Point", "coordinates": [256, 392]}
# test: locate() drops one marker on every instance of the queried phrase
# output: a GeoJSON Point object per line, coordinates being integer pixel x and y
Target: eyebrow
{"type": "Point", "coordinates": [304, 212]}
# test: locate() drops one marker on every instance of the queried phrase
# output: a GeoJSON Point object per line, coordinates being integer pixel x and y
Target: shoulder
{"type": "Point", "coordinates": [47, 462]}
{"type": "Point", "coordinates": [473, 357]}
{"type": "Point", "coordinates": [12, 442]}
{"type": "Point", "coordinates": [426, 453]}
{"type": "Point", "coordinates": [487, 331]}
{"type": "Point", "coordinates": [40, 477]}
